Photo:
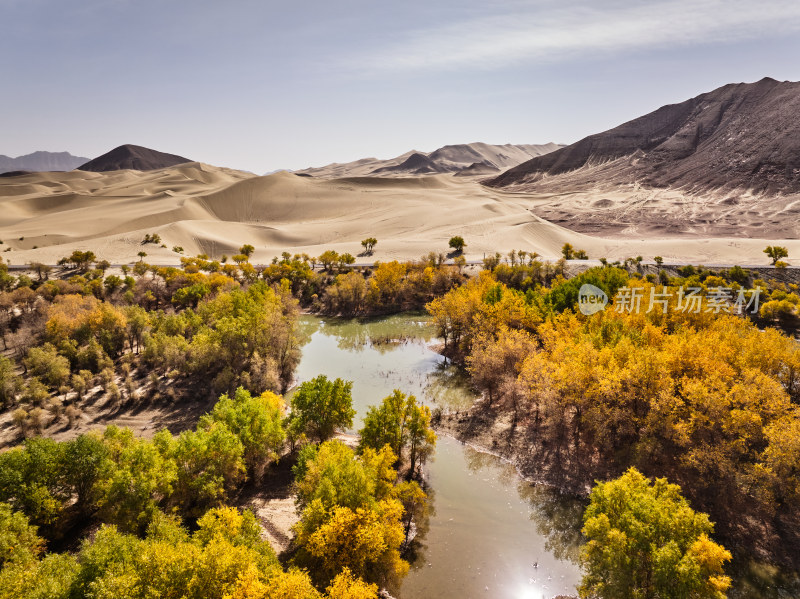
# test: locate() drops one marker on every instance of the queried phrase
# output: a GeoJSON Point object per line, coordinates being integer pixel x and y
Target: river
{"type": "Point", "coordinates": [491, 534]}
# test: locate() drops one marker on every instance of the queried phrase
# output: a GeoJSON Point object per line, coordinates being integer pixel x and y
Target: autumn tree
{"type": "Point", "coordinates": [345, 260]}
{"type": "Point", "coordinates": [347, 295]}
{"type": "Point", "coordinates": [79, 259]}
{"type": "Point", "coordinates": [42, 270]}
{"type": "Point", "coordinates": [645, 541]}
{"type": "Point", "coordinates": [328, 258]}
{"type": "Point", "coordinates": [320, 406]}
{"type": "Point", "coordinates": [352, 517]}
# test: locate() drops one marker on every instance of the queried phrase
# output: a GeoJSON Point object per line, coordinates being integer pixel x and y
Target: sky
{"type": "Point", "coordinates": [261, 85]}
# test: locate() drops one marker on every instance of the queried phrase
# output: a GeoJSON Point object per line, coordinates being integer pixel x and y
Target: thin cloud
{"type": "Point", "coordinates": [582, 29]}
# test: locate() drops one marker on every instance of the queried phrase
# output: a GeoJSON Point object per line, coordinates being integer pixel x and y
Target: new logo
{"type": "Point", "coordinates": [591, 299]}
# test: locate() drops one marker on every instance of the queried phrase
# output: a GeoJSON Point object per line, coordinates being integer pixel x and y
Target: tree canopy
{"type": "Point", "coordinates": [321, 406]}
{"type": "Point", "coordinates": [645, 541]}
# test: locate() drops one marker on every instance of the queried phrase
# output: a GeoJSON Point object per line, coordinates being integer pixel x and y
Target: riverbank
{"type": "Point", "coordinates": [492, 431]}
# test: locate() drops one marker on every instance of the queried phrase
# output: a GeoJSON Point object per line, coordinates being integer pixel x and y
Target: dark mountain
{"type": "Point", "coordinates": [41, 161]}
{"type": "Point", "coordinates": [740, 136]}
{"type": "Point", "coordinates": [132, 157]}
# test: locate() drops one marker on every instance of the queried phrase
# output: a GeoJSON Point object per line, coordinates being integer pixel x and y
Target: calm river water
{"type": "Point", "coordinates": [492, 534]}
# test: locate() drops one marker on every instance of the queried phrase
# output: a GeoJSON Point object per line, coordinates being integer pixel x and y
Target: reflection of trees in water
{"type": "Point", "coordinates": [307, 327]}
{"type": "Point", "coordinates": [383, 334]}
{"type": "Point", "coordinates": [558, 517]}
{"type": "Point", "coordinates": [415, 552]}
{"type": "Point", "coordinates": [480, 460]}
{"type": "Point", "coordinates": [448, 386]}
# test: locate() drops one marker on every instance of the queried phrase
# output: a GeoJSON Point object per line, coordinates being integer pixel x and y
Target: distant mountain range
{"type": "Point", "coordinates": [743, 136]}
{"type": "Point", "coordinates": [462, 159]}
{"type": "Point", "coordinates": [41, 161]}
{"type": "Point", "coordinates": [132, 157]}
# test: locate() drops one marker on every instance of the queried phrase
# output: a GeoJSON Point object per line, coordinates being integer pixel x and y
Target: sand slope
{"type": "Point", "coordinates": [215, 210]}
{"type": "Point", "coordinates": [468, 159]}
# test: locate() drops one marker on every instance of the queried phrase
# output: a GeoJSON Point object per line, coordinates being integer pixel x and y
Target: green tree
{"type": "Point", "coordinates": [257, 421]}
{"type": "Point", "coordinates": [18, 539]}
{"type": "Point", "coordinates": [32, 480]}
{"type": "Point", "coordinates": [141, 479]}
{"type": "Point", "coordinates": [321, 406]}
{"type": "Point", "coordinates": [332, 474]}
{"type": "Point", "coordinates": [45, 362]}
{"type": "Point", "coordinates": [247, 250]}
{"type": "Point", "coordinates": [10, 382]}
{"type": "Point", "coordinates": [400, 422]}
{"type": "Point", "coordinates": [112, 283]}
{"type": "Point", "coordinates": [568, 251]}
{"type": "Point", "coordinates": [776, 252]}
{"type": "Point", "coordinates": [210, 464]}
{"type": "Point", "coordinates": [645, 541]}
{"type": "Point", "coordinates": [86, 464]}
{"type": "Point", "coordinates": [457, 243]}
{"type": "Point", "coordinates": [369, 244]}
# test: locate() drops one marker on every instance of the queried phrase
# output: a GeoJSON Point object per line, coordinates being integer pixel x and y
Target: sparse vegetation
{"type": "Point", "coordinates": [457, 244]}
{"type": "Point", "coordinates": [369, 245]}
{"type": "Point", "coordinates": [776, 252]}
{"type": "Point", "coordinates": [153, 238]}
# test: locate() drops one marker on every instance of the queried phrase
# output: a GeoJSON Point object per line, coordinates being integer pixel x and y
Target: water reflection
{"type": "Point", "coordinates": [449, 387]}
{"type": "Point", "coordinates": [381, 334]}
{"type": "Point", "coordinates": [558, 517]}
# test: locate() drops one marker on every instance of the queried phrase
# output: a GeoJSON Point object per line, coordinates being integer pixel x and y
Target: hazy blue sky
{"type": "Point", "coordinates": [262, 85]}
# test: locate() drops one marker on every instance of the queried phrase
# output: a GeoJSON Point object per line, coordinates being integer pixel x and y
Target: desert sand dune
{"type": "Point", "coordinates": [458, 158]}
{"type": "Point", "coordinates": [206, 209]}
